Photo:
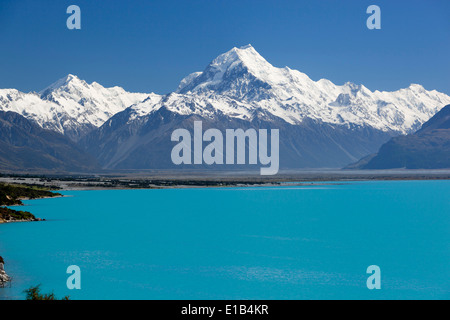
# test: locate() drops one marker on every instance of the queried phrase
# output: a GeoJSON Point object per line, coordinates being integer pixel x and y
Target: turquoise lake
{"type": "Point", "coordinates": [287, 242]}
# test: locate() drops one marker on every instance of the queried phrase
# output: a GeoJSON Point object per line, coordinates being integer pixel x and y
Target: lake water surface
{"type": "Point", "coordinates": [288, 242]}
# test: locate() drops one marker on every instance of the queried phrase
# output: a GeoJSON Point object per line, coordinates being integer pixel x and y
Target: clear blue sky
{"type": "Point", "coordinates": [151, 45]}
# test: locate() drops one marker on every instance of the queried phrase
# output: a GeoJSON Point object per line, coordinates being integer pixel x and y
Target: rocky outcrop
{"type": "Point", "coordinates": [10, 215]}
{"type": "Point", "coordinates": [4, 278]}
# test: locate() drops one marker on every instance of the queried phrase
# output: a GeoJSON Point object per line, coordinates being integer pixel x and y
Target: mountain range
{"type": "Point", "coordinates": [69, 106]}
{"type": "Point", "coordinates": [321, 124]}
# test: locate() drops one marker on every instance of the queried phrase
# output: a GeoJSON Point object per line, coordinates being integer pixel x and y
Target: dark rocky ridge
{"type": "Point", "coordinates": [428, 148]}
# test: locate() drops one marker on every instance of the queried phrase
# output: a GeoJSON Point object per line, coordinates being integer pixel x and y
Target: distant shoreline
{"type": "Point", "coordinates": [172, 179]}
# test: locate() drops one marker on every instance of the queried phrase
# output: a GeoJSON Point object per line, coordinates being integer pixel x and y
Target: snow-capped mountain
{"type": "Point", "coordinates": [242, 74]}
{"type": "Point", "coordinates": [321, 124]}
{"type": "Point", "coordinates": [70, 105]}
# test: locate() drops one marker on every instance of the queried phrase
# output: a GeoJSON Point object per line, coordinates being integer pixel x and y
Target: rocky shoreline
{"type": "Point", "coordinates": [4, 278]}
{"type": "Point", "coordinates": [12, 195]}
{"type": "Point", "coordinates": [8, 215]}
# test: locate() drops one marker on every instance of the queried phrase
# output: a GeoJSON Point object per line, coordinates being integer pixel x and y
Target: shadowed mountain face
{"type": "Point", "coordinates": [428, 148]}
{"type": "Point", "coordinates": [26, 146]}
{"type": "Point", "coordinates": [119, 144]}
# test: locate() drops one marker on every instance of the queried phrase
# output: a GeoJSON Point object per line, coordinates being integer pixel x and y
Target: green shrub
{"type": "Point", "coordinates": [34, 293]}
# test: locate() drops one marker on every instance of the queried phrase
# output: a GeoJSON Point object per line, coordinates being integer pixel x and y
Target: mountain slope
{"type": "Point", "coordinates": [428, 148]}
{"type": "Point", "coordinates": [69, 106]}
{"type": "Point", "coordinates": [146, 141]}
{"type": "Point", "coordinates": [24, 146]}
